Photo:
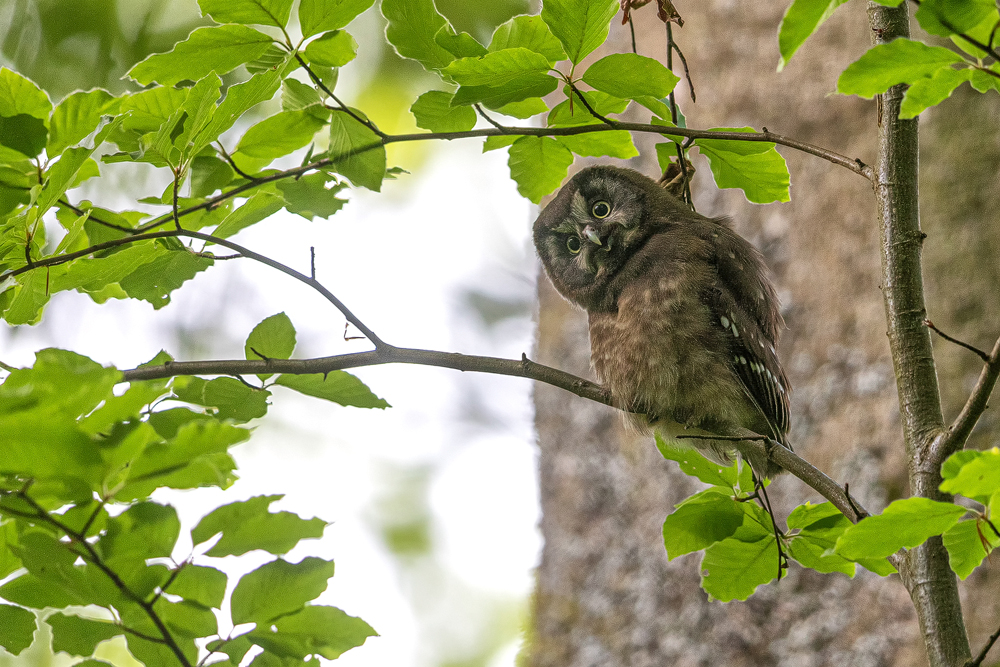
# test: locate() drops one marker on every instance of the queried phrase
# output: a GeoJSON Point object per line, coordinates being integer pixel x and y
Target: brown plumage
{"type": "Point", "coordinates": [683, 318]}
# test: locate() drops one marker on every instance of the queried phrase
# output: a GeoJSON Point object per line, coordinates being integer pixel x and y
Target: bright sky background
{"type": "Point", "coordinates": [403, 260]}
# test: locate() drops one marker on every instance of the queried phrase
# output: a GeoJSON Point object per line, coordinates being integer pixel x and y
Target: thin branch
{"type": "Point", "coordinates": [483, 114]}
{"type": "Point", "coordinates": [855, 165]}
{"type": "Point", "coordinates": [975, 350]}
{"type": "Point", "coordinates": [958, 433]}
{"type": "Point", "coordinates": [173, 207]}
{"type": "Point", "coordinates": [232, 163]}
{"type": "Point", "coordinates": [988, 48]}
{"type": "Point", "coordinates": [94, 557]}
{"type": "Point", "coordinates": [687, 72]}
{"type": "Point", "coordinates": [523, 368]}
{"type": "Point", "coordinates": [986, 649]}
{"type": "Point", "coordinates": [590, 109]}
{"type": "Point", "coordinates": [343, 107]}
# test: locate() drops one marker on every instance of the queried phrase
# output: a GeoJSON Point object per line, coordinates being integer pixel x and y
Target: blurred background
{"type": "Point", "coordinates": [433, 502]}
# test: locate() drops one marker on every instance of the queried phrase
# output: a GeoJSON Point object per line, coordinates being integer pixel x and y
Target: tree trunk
{"type": "Point", "coordinates": [606, 594]}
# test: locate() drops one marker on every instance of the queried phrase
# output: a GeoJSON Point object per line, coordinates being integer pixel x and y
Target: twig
{"type": "Point", "coordinates": [94, 557]}
{"type": "Point", "coordinates": [232, 163]}
{"type": "Point", "coordinates": [988, 48]}
{"type": "Point", "coordinates": [479, 110]}
{"type": "Point", "coordinates": [727, 438]}
{"type": "Point", "coordinates": [958, 433]}
{"type": "Point", "coordinates": [586, 105]}
{"type": "Point", "coordinates": [343, 107]}
{"type": "Point", "coordinates": [979, 353]}
{"type": "Point", "coordinates": [681, 157]}
{"type": "Point", "coordinates": [978, 660]}
{"type": "Point", "coordinates": [687, 72]}
{"type": "Point", "coordinates": [173, 208]}
{"type": "Point", "coordinates": [631, 28]}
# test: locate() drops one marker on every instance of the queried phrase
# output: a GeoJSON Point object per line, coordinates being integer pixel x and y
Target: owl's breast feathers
{"type": "Point", "coordinates": [693, 311]}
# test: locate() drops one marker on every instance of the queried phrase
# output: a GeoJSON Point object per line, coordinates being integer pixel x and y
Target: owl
{"type": "Point", "coordinates": [683, 318]}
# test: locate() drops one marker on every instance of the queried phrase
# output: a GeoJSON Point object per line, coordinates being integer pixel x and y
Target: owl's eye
{"type": "Point", "coordinates": [573, 245]}
{"type": "Point", "coordinates": [601, 209]}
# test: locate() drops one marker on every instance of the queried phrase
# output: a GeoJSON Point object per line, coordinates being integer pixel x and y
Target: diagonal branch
{"type": "Point", "coordinates": [960, 430]}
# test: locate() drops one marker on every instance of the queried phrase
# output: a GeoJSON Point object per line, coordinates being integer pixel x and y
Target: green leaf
{"type": "Point", "coordinates": [613, 143]}
{"type": "Point", "coordinates": [980, 32]}
{"type": "Point", "coordinates": [966, 543]}
{"type": "Point", "coordinates": [933, 90]}
{"type": "Point", "coordinates": [580, 25]}
{"type": "Point", "coordinates": [803, 18]}
{"type": "Point", "coordinates": [79, 636]}
{"type": "Point", "coordinates": [526, 108]}
{"type": "Point", "coordinates": [315, 630]}
{"type": "Point", "coordinates": [757, 168]}
{"type": "Point", "coordinates": [145, 530]}
{"type": "Point", "coordinates": [239, 99]}
{"type": "Point", "coordinates": [203, 585]}
{"type": "Point", "coordinates": [529, 32]}
{"type": "Point", "coordinates": [499, 141]}
{"type": "Point", "coordinates": [701, 521]}
{"type": "Point", "coordinates": [263, 12]}
{"type": "Point", "coordinates": [885, 65]}
{"type": "Point", "coordinates": [154, 281]}
{"type": "Point", "coordinates": [296, 95]}
{"type": "Point", "coordinates": [333, 49]}
{"type": "Point", "coordinates": [807, 515]}
{"type": "Point", "coordinates": [538, 165]}
{"type": "Point", "coordinates": [812, 554]}
{"type": "Point", "coordinates": [630, 76]}
{"type": "Point", "coordinates": [23, 133]}
{"type": "Point", "coordinates": [17, 628]}
{"type": "Point", "coordinates": [259, 207]}
{"type": "Point", "coordinates": [905, 523]}
{"type": "Point", "coordinates": [219, 49]}
{"type": "Point", "coordinates": [978, 477]}
{"type": "Point", "coordinates": [434, 112]}
{"type": "Point", "coordinates": [498, 68]}
{"type": "Point", "coordinates": [194, 455]}
{"type": "Point", "coordinates": [316, 16]}
{"type": "Point", "coordinates": [313, 195]}
{"type": "Point", "coordinates": [358, 152]}
{"type": "Point", "coordinates": [209, 175]}
{"type": "Point", "coordinates": [460, 45]}
{"type": "Point", "coordinates": [280, 134]}
{"type": "Point", "coordinates": [186, 618]}
{"type": "Point", "coordinates": [733, 568]}
{"type": "Point", "coordinates": [124, 407]}
{"type": "Point", "coordinates": [278, 588]}
{"type": "Point", "coordinates": [273, 338]}
{"type": "Point", "coordinates": [413, 25]}
{"type": "Point", "coordinates": [569, 115]}
{"type": "Point", "coordinates": [30, 296]}
{"type": "Point", "coordinates": [337, 386]}
{"type": "Point", "coordinates": [537, 84]}
{"type": "Point", "coordinates": [948, 17]}
{"type": "Point", "coordinates": [248, 525]}
{"type": "Point", "coordinates": [983, 82]}
{"type": "Point", "coordinates": [20, 96]}
{"type": "Point", "coordinates": [694, 464]}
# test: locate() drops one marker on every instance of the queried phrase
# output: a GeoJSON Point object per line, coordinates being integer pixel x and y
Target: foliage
{"type": "Point", "coordinates": [82, 454]}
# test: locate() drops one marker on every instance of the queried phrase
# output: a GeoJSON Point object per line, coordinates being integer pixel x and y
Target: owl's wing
{"type": "Point", "coordinates": [745, 305]}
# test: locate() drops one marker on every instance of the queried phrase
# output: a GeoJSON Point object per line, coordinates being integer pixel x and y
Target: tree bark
{"type": "Point", "coordinates": [606, 594]}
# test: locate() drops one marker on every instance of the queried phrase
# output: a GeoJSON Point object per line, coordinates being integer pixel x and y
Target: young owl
{"type": "Point", "coordinates": [683, 318]}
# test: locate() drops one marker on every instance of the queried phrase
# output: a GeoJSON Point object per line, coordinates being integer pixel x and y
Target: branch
{"type": "Point", "coordinates": [523, 368]}
{"type": "Point", "coordinates": [960, 430]}
{"type": "Point", "coordinates": [924, 570]}
{"type": "Point", "coordinates": [986, 649]}
{"type": "Point", "coordinates": [91, 555]}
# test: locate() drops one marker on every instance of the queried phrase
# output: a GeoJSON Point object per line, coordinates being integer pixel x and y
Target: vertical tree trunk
{"type": "Point", "coordinates": [606, 594]}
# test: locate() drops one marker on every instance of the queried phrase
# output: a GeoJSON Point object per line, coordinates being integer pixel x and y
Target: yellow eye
{"type": "Point", "coordinates": [601, 209]}
{"type": "Point", "coordinates": [573, 245]}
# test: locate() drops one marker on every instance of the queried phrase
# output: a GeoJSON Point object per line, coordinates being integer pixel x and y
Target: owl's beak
{"type": "Point", "coordinates": [591, 234]}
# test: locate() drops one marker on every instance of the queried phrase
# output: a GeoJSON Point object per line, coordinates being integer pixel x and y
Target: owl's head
{"type": "Point", "coordinates": [599, 219]}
